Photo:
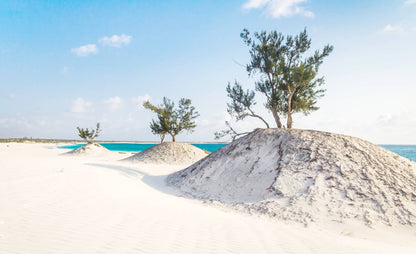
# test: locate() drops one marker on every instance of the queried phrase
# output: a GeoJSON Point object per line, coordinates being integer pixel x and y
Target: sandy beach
{"type": "Point", "coordinates": [51, 203]}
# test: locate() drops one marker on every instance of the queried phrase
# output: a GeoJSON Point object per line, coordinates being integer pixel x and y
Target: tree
{"type": "Point", "coordinates": [288, 78]}
{"type": "Point", "coordinates": [171, 120]}
{"type": "Point", "coordinates": [242, 103]}
{"type": "Point", "coordinates": [157, 129]}
{"type": "Point", "coordinates": [229, 132]}
{"type": "Point", "coordinates": [88, 135]}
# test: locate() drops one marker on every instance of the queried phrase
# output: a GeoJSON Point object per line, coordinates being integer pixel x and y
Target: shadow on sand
{"type": "Point", "coordinates": [157, 182]}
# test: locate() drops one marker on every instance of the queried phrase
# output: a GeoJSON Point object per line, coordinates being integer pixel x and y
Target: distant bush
{"type": "Point", "coordinates": [88, 135]}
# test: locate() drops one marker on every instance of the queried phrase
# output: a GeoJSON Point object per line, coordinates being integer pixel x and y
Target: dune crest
{"type": "Point", "coordinates": [307, 176]}
{"type": "Point", "coordinates": [169, 153]}
{"type": "Point", "coordinates": [89, 149]}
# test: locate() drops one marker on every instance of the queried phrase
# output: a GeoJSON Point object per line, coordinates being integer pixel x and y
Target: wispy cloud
{"type": "Point", "coordinates": [114, 102]}
{"type": "Point", "coordinates": [141, 99]}
{"type": "Point", "coordinates": [393, 29]}
{"type": "Point", "coordinates": [409, 2]}
{"type": "Point", "coordinates": [79, 105]}
{"type": "Point", "coordinates": [11, 96]}
{"type": "Point", "coordinates": [85, 50]}
{"type": "Point", "coordinates": [279, 8]}
{"type": "Point", "coordinates": [116, 41]}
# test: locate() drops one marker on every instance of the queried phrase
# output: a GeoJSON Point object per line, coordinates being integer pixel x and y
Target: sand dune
{"type": "Point", "coordinates": [60, 204]}
{"type": "Point", "coordinates": [307, 176]}
{"type": "Point", "coordinates": [89, 149]}
{"type": "Point", "coordinates": [169, 153]}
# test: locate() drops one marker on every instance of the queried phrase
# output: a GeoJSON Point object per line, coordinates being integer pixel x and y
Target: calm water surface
{"type": "Point", "coordinates": [408, 151]}
{"type": "Point", "coordinates": [133, 147]}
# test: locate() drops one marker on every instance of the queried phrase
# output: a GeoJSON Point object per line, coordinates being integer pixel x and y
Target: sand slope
{"type": "Point", "coordinates": [169, 153]}
{"type": "Point", "coordinates": [63, 204]}
{"type": "Point", "coordinates": [307, 176]}
{"type": "Point", "coordinates": [92, 149]}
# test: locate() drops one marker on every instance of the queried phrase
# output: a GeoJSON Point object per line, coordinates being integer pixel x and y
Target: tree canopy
{"type": "Point", "coordinates": [288, 76]}
{"type": "Point", "coordinates": [170, 119]}
{"type": "Point", "coordinates": [89, 135]}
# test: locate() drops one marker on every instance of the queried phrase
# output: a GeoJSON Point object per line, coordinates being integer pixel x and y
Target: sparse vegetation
{"type": "Point", "coordinates": [171, 120]}
{"type": "Point", "coordinates": [89, 135]}
{"type": "Point", "coordinates": [288, 78]}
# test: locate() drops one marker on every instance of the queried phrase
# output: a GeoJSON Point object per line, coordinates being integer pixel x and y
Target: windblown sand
{"type": "Point", "coordinates": [83, 204]}
{"type": "Point", "coordinates": [307, 176]}
{"type": "Point", "coordinates": [169, 153]}
{"type": "Point", "coordinates": [90, 149]}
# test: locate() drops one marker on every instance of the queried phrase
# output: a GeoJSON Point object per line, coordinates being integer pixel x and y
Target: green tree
{"type": "Point", "coordinates": [288, 76]}
{"type": "Point", "coordinates": [172, 120]}
{"type": "Point", "coordinates": [242, 103]}
{"type": "Point", "coordinates": [89, 135]}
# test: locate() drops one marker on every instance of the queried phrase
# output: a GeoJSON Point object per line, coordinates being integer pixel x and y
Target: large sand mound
{"type": "Point", "coordinates": [89, 149]}
{"type": "Point", "coordinates": [169, 153]}
{"type": "Point", "coordinates": [307, 176]}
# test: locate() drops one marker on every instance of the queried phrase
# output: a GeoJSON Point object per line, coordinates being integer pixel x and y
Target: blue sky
{"type": "Point", "coordinates": [74, 63]}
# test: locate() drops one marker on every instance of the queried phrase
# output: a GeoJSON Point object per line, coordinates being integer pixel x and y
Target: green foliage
{"type": "Point", "coordinates": [288, 77]}
{"type": "Point", "coordinates": [89, 135]}
{"type": "Point", "coordinates": [241, 103]}
{"type": "Point", "coordinates": [171, 120]}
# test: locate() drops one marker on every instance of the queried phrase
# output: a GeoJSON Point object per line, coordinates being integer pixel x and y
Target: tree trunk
{"type": "Point", "coordinates": [289, 120]}
{"type": "Point", "coordinates": [276, 118]}
{"type": "Point", "coordinates": [162, 137]}
{"type": "Point", "coordinates": [173, 138]}
{"type": "Point", "coordinates": [289, 111]}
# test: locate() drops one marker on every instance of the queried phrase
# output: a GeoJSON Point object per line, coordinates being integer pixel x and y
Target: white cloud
{"type": "Point", "coordinates": [85, 50]}
{"type": "Point", "coordinates": [79, 105]}
{"type": "Point", "coordinates": [116, 41]}
{"type": "Point", "coordinates": [114, 102]}
{"type": "Point", "coordinates": [409, 2]}
{"type": "Point", "coordinates": [140, 99]}
{"type": "Point", "coordinates": [279, 8]}
{"type": "Point", "coordinates": [11, 96]}
{"type": "Point", "coordinates": [393, 29]}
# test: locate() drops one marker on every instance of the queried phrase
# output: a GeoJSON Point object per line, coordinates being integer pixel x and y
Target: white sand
{"type": "Point", "coordinates": [307, 176]}
{"type": "Point", "coordinates": [89, 149]}
{"type": "Point", "coordinates": [65, 204]}
{"type": "Point", "coordinates": [169, 153]}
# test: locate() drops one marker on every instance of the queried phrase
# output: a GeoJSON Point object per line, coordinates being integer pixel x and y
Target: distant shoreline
{"type": "Point", "coordinates": [37, 140]}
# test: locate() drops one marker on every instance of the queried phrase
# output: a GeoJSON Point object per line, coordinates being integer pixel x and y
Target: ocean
{"type": "Point", "coordinates": [408, 151]}
{"type": "Point", "coordinates": [135, 147]}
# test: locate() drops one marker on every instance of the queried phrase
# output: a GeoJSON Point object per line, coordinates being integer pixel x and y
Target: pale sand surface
{"type": "Point", "coordinates": [307, 176]}
{"type": "Point", "coordinates": [65, 204]}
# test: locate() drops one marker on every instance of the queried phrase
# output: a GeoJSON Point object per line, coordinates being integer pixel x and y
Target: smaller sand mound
{"type": "Point", "coordinates": [89, 149]}
{"type": "Point", "coordinates": [169, 153]}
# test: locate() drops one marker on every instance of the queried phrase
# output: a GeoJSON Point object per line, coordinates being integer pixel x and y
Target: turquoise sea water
{"type": "Point", "coordinates": [408, 151]}
{"type": "Point", "coordinates": [133, 147]}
